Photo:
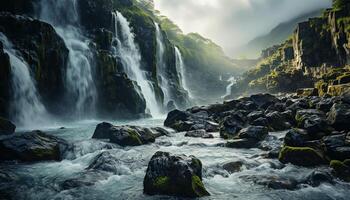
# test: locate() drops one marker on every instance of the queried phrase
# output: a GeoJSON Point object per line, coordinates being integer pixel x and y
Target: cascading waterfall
{"type": "Point", "coordinates": [232, 80]}
{"type": "Point", "coordinates": [180, 67]}
{"type": "Point", "coordinates": [26, 109]}
{"type": "Point", "coordinates": [63, 16]}
{"type": "Point", "coordinates": [127, 50]}
{"type": "Point", "coordinates": [161, 65]}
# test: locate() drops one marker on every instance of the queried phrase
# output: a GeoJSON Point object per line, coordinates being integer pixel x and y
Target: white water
{"type": "Point", "coordinates": [63, 16]}
{"type": "Point", "coordinates": [127, 50]}
{"type": "Point", "coordinates": [232, 80]}
{"type": "Point", "coordinates": [180, 67]}
{"type": "Point", "coordinates": [26, 109]}
{"type": "Point", "coordinates": [161, 65]}
{"type": "Point", "coordinates": [42, 180]}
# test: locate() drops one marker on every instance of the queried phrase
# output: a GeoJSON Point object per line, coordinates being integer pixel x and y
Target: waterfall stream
{"type": "Point", "coordinates": [161, 65]}
{"type": "Point", "coordinates": [26, 109]}
{"type": "Point", "coordinates": [232, 80]}
{"type": "Point", "coordinates": [180, 67]}
{"type": "Point", "coordinates": [63, 16]}
{"type": "Point", "coordinates": [128, 51]}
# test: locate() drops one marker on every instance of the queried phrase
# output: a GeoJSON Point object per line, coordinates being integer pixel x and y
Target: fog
{"type": "Point", "coordinates": [232, 23]}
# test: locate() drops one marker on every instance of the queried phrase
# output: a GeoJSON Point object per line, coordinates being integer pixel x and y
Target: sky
{"type": "Point", "coordinates": [233, 23]}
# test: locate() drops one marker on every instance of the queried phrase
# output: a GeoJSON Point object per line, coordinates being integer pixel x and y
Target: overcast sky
{"type": "Point", "coordinates": [232, 23]}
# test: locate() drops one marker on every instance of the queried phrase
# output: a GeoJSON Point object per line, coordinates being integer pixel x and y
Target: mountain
{"type": "Point", "coordinates": [276, 36]}
{"type": "Point", "coordinates": [316, 56]}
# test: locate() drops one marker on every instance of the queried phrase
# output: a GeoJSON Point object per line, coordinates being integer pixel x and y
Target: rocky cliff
{"type": "Point", "coordinates": [316, 55]}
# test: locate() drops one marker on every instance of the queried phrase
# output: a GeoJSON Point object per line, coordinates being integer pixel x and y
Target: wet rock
{"type": "Point", "coordinates": [314, 122]}
{"type": "Point", "coordinates": [6, 127]}
{"type": "Point", "coordinates": [233, 167]}
{"type": "Point", "coordinates": [341, 169]}
{"type": "Point", "coordinates": [84, 179]}
{"type": "Point", "coordinates": [273, 182]}
{"type": "Point", "coordinates": [264, 100]}
{"type": "Point", "coordinates": [302, 156]}
{"type": "Point", "coordinates": [278, 121]}
{"type": "Point", "coordinates": [339, 116]}
{"type": "Point", "coordinates": [33, 146]}
{"type": "Point", "coordinates": [127, 135]}
{"type": "Point", "coordinates": [296, 138]}
{"type": "Point", "coordinates": [242, 143]}
{"type": "Point", "coordinates": [337, 147]}
{"type": "Point", "coordinates": [105, 161]}
{"type": "Point", "coordinates": [307, 92]}
{"type": "Point", "coordinates": [174, 175]}
{"type": "Point", "coordinates": [199, 134]}
{"type": "Point", "coordinates": [317, 177]}
{"type": "Point", "coordinates": [231, 125]}
{"type": "Point", "coordinates": [253, 132]}
{"type": "Point", "coordinates": [255, 115]}
{"type": "Point", "coordinates": [260, 122]}
{"type": "Point", "coordinates": [324, 105]}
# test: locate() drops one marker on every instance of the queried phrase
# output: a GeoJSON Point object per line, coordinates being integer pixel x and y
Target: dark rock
{"type": "Point", "coordinates": [255, 115]}
{"type": "Point", "coordinates": [127, 135]}
{"type": "Point", "coordinates": [302, 156]}
{"type": "Point", "coordinates": [339, 116]}
{"type": "Point", "coordinates": [337, 147]}
{"type": "Point", "coordinates": [82, 180]}
{"type": "Point", "coordinates": [296, 138]}
{"type": "Point", "coordinates": [273, 182]}
{"type": "Point", "coordinates": [33, 146]}
{"type": "Point", "coordinates": [325, 104]}
{"type": "Point", "coordinates": [242, 143]}
{"type": "Point", "coordinates": [314, 122]}
{"type": "Point", "coordinates": [264, 100]}
{"type": "Point", "coordinates": [260, 122]}
{"type": "Point", "coordinates": [231, 125]}
{"type": "Point", "coordinates": [6, 127]}
{"type": "Point", "coordinates": [316, 178]}
{"type": "Point", "coordinates": [253, 132]}
{"type": "Point", "coordinates": [199, 134]}
{"type": "Point", "coordinates": [278, 121]}
{"type": "Point", "coordinates": [341, 169]}
{"type": "Point", "coordinates": [233, 167]}
{"type": "Point", "coordinates": [105, 161]}
{"type": "Point", "coordinates": [174, 175]}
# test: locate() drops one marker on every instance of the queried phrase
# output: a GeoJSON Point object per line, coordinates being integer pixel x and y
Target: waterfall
{"type": "Point", "coordinates": [232, 80]}
{"type": "Point", "coordinates": [63, 16]}
{"type": "Point", "coordinates": [161, 65]}
{"type": "Point", "coordinates": [180, 67]}
{"type": "Point", "coordinates": [127, 50]}
{"type": "Point", "coordinates": [26, 109]}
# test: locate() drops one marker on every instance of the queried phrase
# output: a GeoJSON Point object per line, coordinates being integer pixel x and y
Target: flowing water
{"type": "Point", "coordinates": [26, 108]}
{"type": "Point", "coordinates": [161, 65]}
{"type": "Point", "coordinates": [42, 180]}
{"type": "Point", "coordinates": [63, 16]}
{"type": "Point", "coordinates": [127, 50]}
{"type": "Point", "coordinates": [232, 80]}
{"type": "Point", "coordinates": [180, 66]}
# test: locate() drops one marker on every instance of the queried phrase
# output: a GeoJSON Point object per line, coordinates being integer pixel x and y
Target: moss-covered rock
{"type": "Point", "coordinates": [174, 175]}
{"type": "Point", "coordinates": [302, 156]}
{"type": "Point", "coordinates": [341, 169]}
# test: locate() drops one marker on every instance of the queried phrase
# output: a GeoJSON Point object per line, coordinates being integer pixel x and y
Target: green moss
{"type": "Point", "coordinates": [198, 187]}
{"type": "Point", "coordinates": [302, 156]}
{"type": "Point", "coordinates": [134, 138]}
{"type": "Point", "coordinates": [161, 183]}
{"type": "Point", "coordinates": [340, 169]}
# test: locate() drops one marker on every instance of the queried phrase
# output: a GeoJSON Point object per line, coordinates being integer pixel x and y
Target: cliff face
{"type": "Point", "coordinates": [316, 55]}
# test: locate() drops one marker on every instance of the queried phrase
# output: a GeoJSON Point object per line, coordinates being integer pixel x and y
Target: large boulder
{"type": "Point", "coordinates": [257, 133]}
{"type": "Point", "coordinates": [231, 125]}
{"type": "Point", "coordinates": [337, 147]}
{"type": "Point", "coordinates": [127, 135]}
{"type": "Point", "coordinates": [33, 146]}
{"type": "Point", "coordinates": [278, 121]}
{"type": "Point", "coordinates": [174, 175]}
{"type": "Point", "coordinates": [339, 116]}
{"type": "Point", "coordinates": [6, 127]}
{"type": "Point", "coordinates": [302, 156]}
{"type": "Point", "coordinates": [296, 138]}
{"type": "Point", "coordinates": [264, 100]}
{"type": "Point", "coordinates": [314, 122]}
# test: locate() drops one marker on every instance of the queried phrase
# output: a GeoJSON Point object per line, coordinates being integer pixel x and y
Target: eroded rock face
{"type": "Point", "coordinates": [33, 146]}
{"type": "Point", "coordinates": [6, 127]}
{"type": "Point", "coordinates": [174, 175]}
{"type": "Point", "coordinates": [128, 135]}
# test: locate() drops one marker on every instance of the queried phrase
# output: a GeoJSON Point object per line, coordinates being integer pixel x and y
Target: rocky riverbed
{"type": "Point", "coordinates": [257, 147]}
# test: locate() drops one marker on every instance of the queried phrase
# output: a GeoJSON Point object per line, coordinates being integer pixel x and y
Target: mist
{"type": "Point", "coordinates": [232, 23]}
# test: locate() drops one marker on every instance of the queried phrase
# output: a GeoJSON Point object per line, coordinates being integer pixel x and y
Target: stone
{"type": "Point", "coordinates": [33, 146]}
{"type": "Point", "coordinates": [341, 169]}
{"type": "Point", "coordinates": [302, 156]}
{"type": "Point", "coordinates": [230, 126]}
{"type": "Point", "coordinates": [6, 127]}
{"type": "Point", "coordinates": [199, 134]}
{"type": "Point", "coordinates": [174, 175]}
{"type": "Point", "coordinates": [233, 167]}
{"type": "Point", "coordinates": [307, 92]}
{"type": "Point", "coordinates": [337, 147]}
{"type": "Point", "coordinates": [277, 121]}
{"type": "Point", "coordinates": [253, 132]}
{"type": "Point", "coordinates": [242, 143]}
{"type": "Point", "coordinates": [339, 116]}
{"type": "Point", "coordinates": [296, 138]}
{"type": "Point", "coordinates": [263, 100]}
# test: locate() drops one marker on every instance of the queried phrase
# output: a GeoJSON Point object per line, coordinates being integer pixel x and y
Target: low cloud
{"type": "Point", "coordinates": [232, 23]}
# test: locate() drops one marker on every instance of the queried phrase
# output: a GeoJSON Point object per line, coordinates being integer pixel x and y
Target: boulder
{"type": "Point", "coordinates": [253, 132]}
{"type": "Point", "coordinates": [127, 135]}
{"type": "Point", "coordinates": [302, 156]}
{"type": "Point", "coordinates": [307, 92]}
{"type": "Point", "coordinates": [316, 178]}
{"type": "Point", "coordinates": [272, 181]}
{"type": "Point", "coordinates": [314, 122]}
{"type": "Point", "coordinates": [6, 127]}
{"type": "Point", "coordinates": [233, 167]}
{"type": "Point", "coordinates": [296, 138]}
{"type": "Point", "coordinates": [242, 143]}
{"type": "Point", "coordinates": [105, 161]}
{"type": "Point", "coordinates": [278, 121]}
{"type": "Point", "coordinates": [264, 100]}
{"type": "Point", "coordinates": [337, 147]}
{"type": "Point", "coordinates": [33, 146]}
{"type": "Point", "coordinates": [339, 116]}
{"type": "Point", "coordinates": [199, 134]}
{"type": "Point", "coordinates": [174, 175]}
{"type": "Point", "coordinates": [231, 125]}
{"type": "Point", "coordinates": [341, 169]}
